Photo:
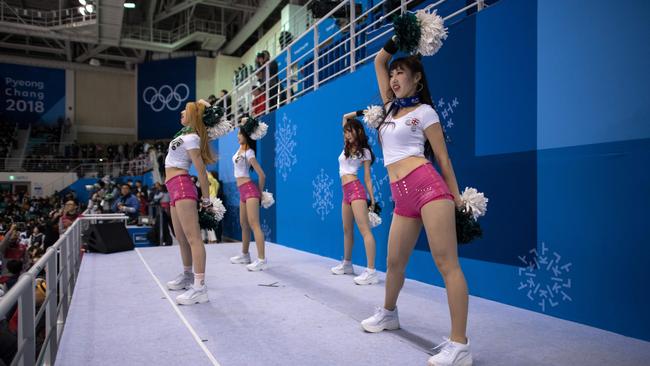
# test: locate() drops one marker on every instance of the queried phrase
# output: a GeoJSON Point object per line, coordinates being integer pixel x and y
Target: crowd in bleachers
{"type": "Point", "coordinates": [28, 226]}
{"type": "Point", "coordinates": [103, 159]}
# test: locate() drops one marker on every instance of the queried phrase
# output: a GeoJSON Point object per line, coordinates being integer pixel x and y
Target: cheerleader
{"type": "Point", "coordinates": [411, 136]}
{"type": "Point", "coordinates": [354, 208]}
{"type": "Point", "coordinates": [250, 195]}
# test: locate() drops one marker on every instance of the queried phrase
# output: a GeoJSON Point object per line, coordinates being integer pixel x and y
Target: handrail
{"type": "Point", "coordinates": [61, 263]}
{"type": "Point", "coordinates": [328, 57]}
{"type": "Point", "coordinates": [173, 35]}
{"type": "Point", "coordinates": [43, 18]}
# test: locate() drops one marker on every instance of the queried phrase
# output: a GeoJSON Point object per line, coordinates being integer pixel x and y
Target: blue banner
{"type": "Point", "coordinates": [164, 87]}
{"type": "Point", "coordinates": [32, 95]}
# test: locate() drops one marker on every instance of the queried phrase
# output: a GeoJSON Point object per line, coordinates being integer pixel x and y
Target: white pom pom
{"type": "Point", "coordinates": [267, 199]}
{"type": "Point", "coordinates": [260, 131]}
{"type": "Point", "coordinates": [474, 201]}
{"type": "Point", "coordinates": [433, 32]}
{"type": "Point", "coordinates": [373, 116]}
{"type": "Point", "coordinates": [218, 209]}
{"type": "Point", "coordinates": [220, 129]}
{"type": "Point", "coordinates": [375, 220]}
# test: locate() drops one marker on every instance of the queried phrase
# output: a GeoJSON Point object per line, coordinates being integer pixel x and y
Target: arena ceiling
{"type": "Point", "coordinates": [119, 37]}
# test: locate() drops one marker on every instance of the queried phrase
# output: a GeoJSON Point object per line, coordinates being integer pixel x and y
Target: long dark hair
{"type": "Point", "coordinates": [354, 126]}
{"type": "Point", "coordinates": [414, 65]}
{"type": "Point", "coordinates": [252, 144]}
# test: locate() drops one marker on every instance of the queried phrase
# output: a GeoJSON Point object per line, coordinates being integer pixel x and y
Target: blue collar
{"type": "Point", "coordinates": [404, 102]}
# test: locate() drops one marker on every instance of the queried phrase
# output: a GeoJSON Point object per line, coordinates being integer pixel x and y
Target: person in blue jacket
{"type": "Point", "coordinates": [127, 203]}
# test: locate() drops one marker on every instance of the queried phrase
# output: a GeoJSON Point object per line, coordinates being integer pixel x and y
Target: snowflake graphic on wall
{"type": "Point", "coordinates": [377, 187]}
{"type": "Point", "coordinates": [446, 111]}
{"type": "Point", "coordinates": [323, 194]}
{"type": "Point", "coordinates": [545, 279]}
{"type": "Point", "coordinates": [285, 143]}
{"type": "Point", "coordinates": [266, 229]}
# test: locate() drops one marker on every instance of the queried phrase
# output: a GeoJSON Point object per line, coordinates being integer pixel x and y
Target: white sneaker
{"type": "Point", "coordinates": [182, 282]}
{"type": "Point", "coordinates": [367, 278]}
{"type": "Point", "coordinates": [382, 320]}
{"type": "Point", "coordinates": [258, 265]}
{"type": "Point", "coordinates": [241, 259]}
{"type": "Point", "coordinates": [451, 354]}
{"type": "Point", "coordinates": [343, 268]}
{"type": "Point", "coordinates": [195, 295]}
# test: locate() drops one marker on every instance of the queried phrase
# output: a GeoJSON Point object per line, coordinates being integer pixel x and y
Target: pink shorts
{"type": "Point", "coordinates": [353, 191]}
{"type": "Point", "coordinates": [249, 190]}
{"type": "Point", "coordinates": [418, 188]}
{"type": "Point", "coordinates": [181, 187]}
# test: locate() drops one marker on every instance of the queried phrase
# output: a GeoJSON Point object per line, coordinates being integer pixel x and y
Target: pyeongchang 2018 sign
{"type": "Point", "coordinates": [164, 88]}
{"type": "Point", "coordinates": [32, 95]}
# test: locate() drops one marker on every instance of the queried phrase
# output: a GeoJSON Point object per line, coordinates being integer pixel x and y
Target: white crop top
{"type": "Point", "coordinates": [242, 163]}
{"type": "Point", "coordinates": [178, 155]}
{"type": "Point", "coordinates": [352, 164]}
{"type": "Point", "coordinates": [404, 136]}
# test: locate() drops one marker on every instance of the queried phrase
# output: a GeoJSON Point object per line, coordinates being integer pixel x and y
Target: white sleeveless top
{"type": "Point", "coordinates": [352, 164]}
{"type": "Point", "coordinates": [403, 137]}
{"type": "Point", "coordinates": [242, 163]}
{"type": "Point", "coordinates": [178, 155]}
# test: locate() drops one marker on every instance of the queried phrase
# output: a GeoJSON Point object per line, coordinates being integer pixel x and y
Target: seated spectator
{"type": "Point", "coordinates": [127, 203]}
{"type": "Point", "coordinates": [37, 238]}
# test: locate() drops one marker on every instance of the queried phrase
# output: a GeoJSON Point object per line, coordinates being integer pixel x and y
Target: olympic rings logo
{"type": "Point", "coordinates": [166, 97]}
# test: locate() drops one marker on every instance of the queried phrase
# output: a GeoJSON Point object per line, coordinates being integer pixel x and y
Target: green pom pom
{"type": "Point", "coordinates": [407, 30]}
{"type": "Point", "coordinates": [207, 221]}
{"type": "Point", "coordinates": [467, 229]}
{"type": "Point", "coordinates": [212, 115]}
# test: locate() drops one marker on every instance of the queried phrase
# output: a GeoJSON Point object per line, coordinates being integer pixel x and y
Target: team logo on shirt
{"type": "Point", "coordinates": [176, 143]}
{"type": "Point", "coordinates": [413, 122]}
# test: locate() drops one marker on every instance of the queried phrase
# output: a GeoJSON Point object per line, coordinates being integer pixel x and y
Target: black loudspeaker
{"type": "Point", "coordinates": [110, 237]}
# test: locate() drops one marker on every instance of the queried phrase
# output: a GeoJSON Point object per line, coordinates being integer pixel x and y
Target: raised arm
{"type": "Point", "coordinates": [381, 70]}
{"type": "Point", "coordinates": [348, 116]}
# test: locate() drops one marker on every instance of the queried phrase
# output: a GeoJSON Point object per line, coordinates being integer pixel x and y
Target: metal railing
{"type": "Point", "coordinates": [148, 34]}
{"type": "Point", "coordinates": [312, 59]}
{"type": "Point", "coordinates": [61, 263]}
{"type": "Point", "coordinates": [83, 167]}
{"type": "Point", "coordinates": [43, 18]}
{"type": "Point", "coordinates": [299, 22]}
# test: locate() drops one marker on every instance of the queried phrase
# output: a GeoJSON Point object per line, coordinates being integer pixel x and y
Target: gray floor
{"type": "Point", "coordinates": [120, 316]}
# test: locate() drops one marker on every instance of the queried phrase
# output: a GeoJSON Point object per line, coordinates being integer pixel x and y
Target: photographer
{"type": "Point", "coordinates": [127, 204]}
